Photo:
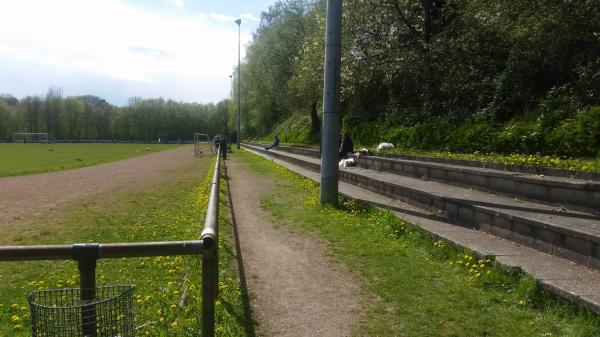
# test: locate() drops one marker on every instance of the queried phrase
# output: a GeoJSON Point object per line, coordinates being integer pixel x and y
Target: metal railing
{"type": "Point", "coordinates": [86, 256]}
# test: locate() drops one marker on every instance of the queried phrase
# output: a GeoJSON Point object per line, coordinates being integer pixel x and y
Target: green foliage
{"type": "Point", "coordinates": [91, 117]}
{"type": "Point", "coordinates": [577, 137]}
{"type": "Point", "coordinates": [470, 137]}
{"type": "Point", "coordinates": [408, 64]}
{"type": "Point", "coordinates": [519, 137]}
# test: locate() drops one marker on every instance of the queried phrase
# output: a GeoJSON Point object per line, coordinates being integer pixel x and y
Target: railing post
{"type": "Point", "coordinates": [86, 256]}
{"type": "Point", "coordinates": [208, 288]}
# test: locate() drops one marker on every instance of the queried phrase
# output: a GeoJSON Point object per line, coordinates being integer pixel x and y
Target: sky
{"type": "Point", "coordinates": [183, 50]}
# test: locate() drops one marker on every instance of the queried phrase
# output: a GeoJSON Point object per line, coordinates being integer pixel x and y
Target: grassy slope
{"type": "Point", "coordinates": [423, 287]}
{"type": "Point", "coordinates": [18, 159]}
{"type": "Point", "coordinates": [171, 211]}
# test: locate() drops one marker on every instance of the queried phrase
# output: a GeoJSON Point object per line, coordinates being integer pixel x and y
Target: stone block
{"type": "Point", "coordinates": [422, 171]}
{"type": "Point", "coordinates": [410, 170]}
{"type": "Point", "coordinates": [531, 190]}
{"type": "Point", "coordinates": [438, 174]}
{"type": "Point", "coordinates": [451, 209]}
{"type": "Point", "coordinates": [501, 222]}
{"type": "Point", "coordinates": [523, 229]}
{"type": "Point", "coordinates": [466, 214]}
{"type": "Point", "coordinates": [578, 245]}
{"type": "Point", "coordinates": [550, 236]}
{"type": "Point", "coordinates": [455, 176]}
{"type": "Point", "coordinates": [502, 184]}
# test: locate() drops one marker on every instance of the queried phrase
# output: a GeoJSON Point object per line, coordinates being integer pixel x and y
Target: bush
{"type": "Point", "coordinates": [401, 136]}
{"type": "Point", "coordinates": [431, 135]}
{"type": "Point", "coordinates": [577, 137]}
{"type": "Point", "coordinates": [470, 137]}
{"type": "Point", "coordinates": [558, 106]}
{"type": "Point", "coordinates": [519, 137]}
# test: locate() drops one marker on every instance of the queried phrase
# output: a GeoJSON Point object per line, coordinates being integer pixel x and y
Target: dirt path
{"type": "Point", "coordinates": [24, 196]}
{"type": "Point", "coordinates": [295, 290]}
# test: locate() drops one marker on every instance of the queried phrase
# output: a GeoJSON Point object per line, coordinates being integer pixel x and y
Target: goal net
{"type": "Point", "coordinates": [203, 146]}
{"type": "Point", "coordinates": [30, 137]}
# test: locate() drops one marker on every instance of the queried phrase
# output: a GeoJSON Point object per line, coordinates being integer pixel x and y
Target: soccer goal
{"type": "Point", "coordinates": [30, 137]}
{"type": "Point", "coordinates": [203, 146]}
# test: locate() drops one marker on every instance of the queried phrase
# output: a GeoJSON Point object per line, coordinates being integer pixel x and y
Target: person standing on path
{"type": "Point", "coordinates": [275, 143]}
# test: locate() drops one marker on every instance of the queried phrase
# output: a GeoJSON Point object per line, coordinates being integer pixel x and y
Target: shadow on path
{"type": "Point", "coordinates": [249, 321]}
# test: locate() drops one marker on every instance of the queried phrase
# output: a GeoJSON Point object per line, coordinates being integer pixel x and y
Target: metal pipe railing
{"type": "Point", "coordinates": [87, 254]}
{"type": "Point", "coordinates": [210, 260]}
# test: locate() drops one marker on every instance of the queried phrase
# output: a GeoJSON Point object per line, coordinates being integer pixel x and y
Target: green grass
{"type": "Point", "coordinates": [169, 211]}
{"type": "Point", "coordinates": [19, 159]}
{"type": "Point", "coordinates": [422, 287]}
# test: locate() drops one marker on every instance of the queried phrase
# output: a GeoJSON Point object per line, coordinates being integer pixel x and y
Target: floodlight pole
{"type": "Point", "coordinates": [239, 23]}
{"type": "Point", "coordinates": [231, 86]}
{"type": "Point", "coordinates": [331, 103]}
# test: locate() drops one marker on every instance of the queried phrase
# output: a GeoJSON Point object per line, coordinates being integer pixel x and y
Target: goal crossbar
{"type": "Point", "coordinates": [203, 146]}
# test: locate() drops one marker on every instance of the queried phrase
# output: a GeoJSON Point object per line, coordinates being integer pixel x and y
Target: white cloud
{"type": "Point", "coordinates": [222, 17]}
{"type": "Point", "coordinates": [108, 38]}
{"type": "Point", "coordinates": [229, 18]}
{"type": "Point", "coordinates": [250, 16]}
{"type": "Point", "coordinates": [176, 3]}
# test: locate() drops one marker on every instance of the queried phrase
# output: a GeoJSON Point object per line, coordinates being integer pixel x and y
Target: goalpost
{"type": "Point", "coordinates": [203, 145]}
{"type": "Point", "coordinates": [31, 137]}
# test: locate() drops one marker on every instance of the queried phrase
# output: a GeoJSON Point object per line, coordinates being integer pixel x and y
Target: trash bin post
{"type": "Point", "coordinates": [86, 256]}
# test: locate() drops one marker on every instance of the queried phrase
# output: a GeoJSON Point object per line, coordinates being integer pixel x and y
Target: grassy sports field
{"type": "Point", "coordinates": [171, 210]}
{"type": "Point", "coordinates": [19, 159]}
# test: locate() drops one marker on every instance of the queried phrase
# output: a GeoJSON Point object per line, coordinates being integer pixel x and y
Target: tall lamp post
{"type": "Point", "coordinates": [331, 103]}
{"type": "Point", "coordinates": [239, 23]}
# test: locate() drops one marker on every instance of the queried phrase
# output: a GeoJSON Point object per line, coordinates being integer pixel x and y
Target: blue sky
{"type": "Point", "coordinates": [179, 49]}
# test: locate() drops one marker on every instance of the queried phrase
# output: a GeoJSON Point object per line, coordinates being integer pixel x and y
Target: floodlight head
{"type": "Point", "coordinates": [238, 21]}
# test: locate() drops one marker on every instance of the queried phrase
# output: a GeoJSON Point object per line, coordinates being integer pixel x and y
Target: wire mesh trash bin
{"type": "Point", "coordinates": [63, 313]}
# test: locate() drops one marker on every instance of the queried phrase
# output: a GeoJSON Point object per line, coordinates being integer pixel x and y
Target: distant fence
{"type": "Point", "coordinates": [86, 256]}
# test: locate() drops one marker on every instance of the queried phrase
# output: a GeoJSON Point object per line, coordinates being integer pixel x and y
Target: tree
{"type": "Point", "coordinates": [52, 110]}
{"type": "Point", "coordinates": [72, 118]}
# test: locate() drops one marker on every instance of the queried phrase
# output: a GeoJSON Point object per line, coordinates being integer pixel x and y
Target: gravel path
{"type": "Point", "coordinates": [295, 290]}
{"type": "Point", "coordinates": [22, 196]}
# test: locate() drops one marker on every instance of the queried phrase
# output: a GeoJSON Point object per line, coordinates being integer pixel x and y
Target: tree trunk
{"type": "Point", "coordinates": [315, 123]}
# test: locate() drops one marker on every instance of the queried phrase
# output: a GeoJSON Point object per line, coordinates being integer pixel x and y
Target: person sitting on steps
{"type": "Point", "coordinates": [275, 143]}
{"type": "Point", "coordinates": [346, 146]}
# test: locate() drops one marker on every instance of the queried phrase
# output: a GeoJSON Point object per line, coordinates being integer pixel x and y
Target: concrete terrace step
{"type": "Point", "coordinates": [558, 191]}
{"type": "Point", "coordinates": [574, 193]}
{"type": "Point", "coordinates": [576, 283]}
{"type": "Point", "coordinates": [571, 234]}
{"type": "Point", "coordinates": [527, 169]}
